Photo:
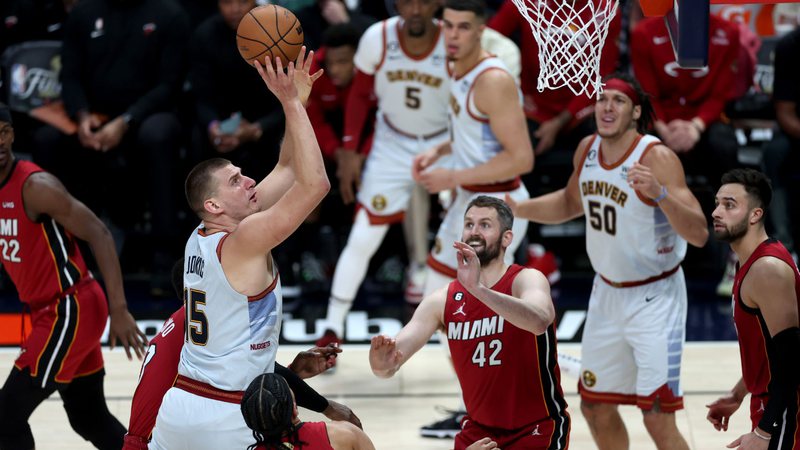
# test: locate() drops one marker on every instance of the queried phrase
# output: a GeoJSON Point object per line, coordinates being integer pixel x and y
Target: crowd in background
{"type": "Point", "coordinates": [150, 87]}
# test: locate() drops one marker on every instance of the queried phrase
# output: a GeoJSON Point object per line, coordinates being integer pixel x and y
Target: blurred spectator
{"type": "Point", "coordinates": [237, 118]}
{"type": "Point", "coordinates": [198, 11]}
{"type": "Point", "coordinates": [781, 154]}
{"type": "Point", "coordinates": [318, 17]}
{"type": "Point", "coordinates": [123, 65]}
{"type": "Point", "coordinates": [689, 102]}
{"type": "Point", "coordinates": [31, 20]}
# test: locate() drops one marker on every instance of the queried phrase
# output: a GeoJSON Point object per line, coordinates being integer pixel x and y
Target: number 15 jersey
{"type": "Point", "coordinates": [628, 237]}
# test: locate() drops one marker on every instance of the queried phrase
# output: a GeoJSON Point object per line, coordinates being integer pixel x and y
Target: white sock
{"type": "Point", "coordinates": [351, 268]}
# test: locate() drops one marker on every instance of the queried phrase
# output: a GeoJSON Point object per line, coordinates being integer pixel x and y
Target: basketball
{"type": "Point", "coordinates": [269, 30]}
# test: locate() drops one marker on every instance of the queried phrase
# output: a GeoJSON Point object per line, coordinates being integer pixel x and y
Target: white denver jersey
{"type": "Point", "coordinates": [628, 237]}
{"type": "Point", "coordinates": [412, 91]}
{"type": "Point", "coordinates": [230, 338]}
{"type": "Point", "coordinates": [473, 142]}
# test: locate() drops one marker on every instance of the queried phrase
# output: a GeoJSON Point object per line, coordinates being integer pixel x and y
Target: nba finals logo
{"type": "Point", "coordinates": [40, 83]}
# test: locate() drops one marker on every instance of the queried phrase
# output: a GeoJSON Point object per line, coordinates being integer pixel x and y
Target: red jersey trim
{"type": "Point", "coordinates": [458, 77]}
{"type": "Point", "coordinates": [472, 87]}
{"type": "Point", "coordinates": [403, 45]}
{"type": "Point", "coordinates": [606, 397]}
{"type": "Point", "coordinates": [383, 52]}
{"type": "Point", "coordinates": [494, 187]}
{"type": "Point", "coordinates": [585, 155]}
{"type": "Point", "coordinates": [208, 391]}
{"type": "Point", "coordinates": [265, 292]}
{"type": "Point", "coordinates": [376, 219]}
{"type": "Point", "coordinates": [441, 267]}
{"type": "Point", "coordinates": [647, 201]}
{"type": "Point", "coordinates": [621, 159]}
{"type": "Point", "coordinates": [629, 284]}
{"type": "Point", "coordinates": [668, 401]}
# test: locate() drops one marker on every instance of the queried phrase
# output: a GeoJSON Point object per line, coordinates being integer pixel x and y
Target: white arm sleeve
{"type": "Point", "coordinates": [370, 49]}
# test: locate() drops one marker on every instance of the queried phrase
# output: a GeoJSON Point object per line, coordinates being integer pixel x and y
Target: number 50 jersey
{"type": "Point", "coordinates": [628, 237]}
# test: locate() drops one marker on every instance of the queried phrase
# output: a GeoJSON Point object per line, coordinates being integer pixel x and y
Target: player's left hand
{"type": "Point", "coordinates": [314, 361]}
{"type": "Point", "coordinates": [110, 135]}
{"type": "Point", "coordinates": [749, 441]}
{"type": "Point", "coordinates": [484, 444]}
{"type": "Point", "coordinates": [641, 178]}
{"type": "Point", "coordinates": [384, 357]}
{"type": "Point", "coordinates": [303, 79]}
{"type": "Point", "coordinates": [124, 328]}
{"type": "Point", "coordinates": [338, 411]}
{"type": "Point", "coordinates": [469, 268]}
{"type": "Point", "coordinates": [437, 180]}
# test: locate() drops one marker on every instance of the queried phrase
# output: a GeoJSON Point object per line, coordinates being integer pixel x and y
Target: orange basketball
{"type": "Point", "coordinates": [269, 30]}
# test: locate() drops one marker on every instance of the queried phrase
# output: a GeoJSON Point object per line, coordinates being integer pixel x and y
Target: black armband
{"type": "Point", "coordinates": [304, 394]}
{"type": "Point", "coordinates": [785, 371]}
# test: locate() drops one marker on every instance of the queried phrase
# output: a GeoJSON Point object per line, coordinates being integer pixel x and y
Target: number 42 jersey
{"type": "Point", "coordinates": [628, 237]}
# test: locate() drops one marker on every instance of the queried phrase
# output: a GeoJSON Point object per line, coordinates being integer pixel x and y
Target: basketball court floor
{"type": "Point", "coordinates": [393, 410]}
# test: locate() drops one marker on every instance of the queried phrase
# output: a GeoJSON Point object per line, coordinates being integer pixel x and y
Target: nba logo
{"type": "Point", "coordinates": [19, 73]}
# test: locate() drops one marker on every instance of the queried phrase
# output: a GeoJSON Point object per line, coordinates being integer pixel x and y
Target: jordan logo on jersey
{"type": "Point", "coordinates": [460, 310]}
{"type": "Point", "coordinates": [535, 431]}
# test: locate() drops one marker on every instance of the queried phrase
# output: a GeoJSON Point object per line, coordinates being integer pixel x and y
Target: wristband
{"type": "Point", "coordinates": [766, 438]}
{"type": "Point", "coordinates": [662, 196]}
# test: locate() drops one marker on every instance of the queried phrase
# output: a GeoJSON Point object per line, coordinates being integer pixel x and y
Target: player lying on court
{"type": "Point", "coordinates": [499, 324]}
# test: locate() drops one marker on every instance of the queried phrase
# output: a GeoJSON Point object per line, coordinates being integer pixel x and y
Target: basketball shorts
{"type": "Point", "coordinates": [65, 339]}
{"type": "Point", "coordinates": [541, 435]}
{"type": "Point", "coordinates": [443, 256]}
{"type": "Point", "coordinates": [191, 422]}
{"type": "Point", "coordinates": [788, 435]}
{"type": "Point", "coordinates": [632, 344]}
{"type": "Point", "coordinates": [386, 183]}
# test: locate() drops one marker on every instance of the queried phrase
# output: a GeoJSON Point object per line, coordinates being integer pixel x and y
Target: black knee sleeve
{"type": "Point", "coordinates": [18, 399]}
{"type": "Point", "coordinates": [88, 414]}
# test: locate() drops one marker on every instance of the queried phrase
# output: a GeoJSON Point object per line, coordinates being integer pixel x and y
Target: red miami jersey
{"type": "Point", "coordinates": [313, 434]}
{"type": "Point", "coordinates": [510, 377]}
{"type": "Point", "coordinates": [755, 341]}
{"type": "Point", "coordinates": [157, 375]}
{"type": "Point", "coordinates": [42, 258]}
{"type": "Point", "coordinates": [685, 93]}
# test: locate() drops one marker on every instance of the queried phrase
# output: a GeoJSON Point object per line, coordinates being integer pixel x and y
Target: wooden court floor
{"type": "Point", "coordinates": [393, 410]}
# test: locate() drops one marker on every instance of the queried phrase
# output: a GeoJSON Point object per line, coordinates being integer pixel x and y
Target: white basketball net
{"type": "Point", "coordinates": [570, 35]}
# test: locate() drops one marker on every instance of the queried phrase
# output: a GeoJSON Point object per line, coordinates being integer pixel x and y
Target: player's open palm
{"type": "Point", "coordinates": [720, 411]}
{"type": "Point", "coordinates": [384, 357]}
{"type": "Point", "coordinates": [279, 82]}
{"type": "Point", "coordinates": [469, 268]}
{"type": "Point", "coordinates": [303, 78]}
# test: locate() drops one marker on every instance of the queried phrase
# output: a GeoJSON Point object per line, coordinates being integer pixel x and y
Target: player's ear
{"type": "Point", "coordinates": [212, 206]}
{"type": "Point", "coordinates": [508, 236]}
{"type": "Point", "coordinates": [756, 214]}
{"type": "Point", "coordinates": [637, 112]}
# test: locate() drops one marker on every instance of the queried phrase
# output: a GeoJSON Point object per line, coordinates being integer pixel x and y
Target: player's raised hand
{"type": "Point", "coordinates": [338, 411]}
{"type": "Point", "coordinates": [484, 444]}
{"type": "Point", "coordinates": [303, 78]}
{"type": "Point", "coordinates": [384, 358]}
{"type": "Point", "coordinates": [279, 82]}
{"type": "Point", "coordinates": [641, 178]}
{"type": "Point", "coordinates": [469, 267]}
{"type": "Point", "coordinates": [123, 328]}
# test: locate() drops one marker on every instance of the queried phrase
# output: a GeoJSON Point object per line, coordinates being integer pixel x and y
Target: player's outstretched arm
{"type": "Point", "coordinates": [660, 176]}
{"type": "Point", "coordinates": [559, 206]}
{"type": "Point", "coordinates": [263, 231]}
{"type": "Point", "coordinates": [44, 195]}
{"type": "Point", "coordinates": [346, 435]}
{"type": "Point", "coordinates": [529, 306]}
{"type": "Point", "coordinates": [387, 355]}
{"type": "Point", "coordinates": [496, 96]}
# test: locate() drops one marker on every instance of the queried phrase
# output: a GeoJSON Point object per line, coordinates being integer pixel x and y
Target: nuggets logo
{"type": "Point", "coordinates": [589, 379]}
{"type": "Point", "coordinates": [437, 246]}
{"type": "Point", "coordinates": [379, 202]}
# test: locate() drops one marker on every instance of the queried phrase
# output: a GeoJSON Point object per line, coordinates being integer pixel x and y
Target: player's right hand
{"type": "Point", "coordinates": [348, 170]}
{"type": "Point", "coordinates": [279, 82]}
{"type": "Point", "coordinates": [384, 358]}
{"type": "Point", "coordinates": [338, 411]}
{"type": "Point", "coordinates": [484, 444]}
{"type": "Point", "coordinates": [423, 161]}
{"type": "Point", "coordinates": [720, 411]}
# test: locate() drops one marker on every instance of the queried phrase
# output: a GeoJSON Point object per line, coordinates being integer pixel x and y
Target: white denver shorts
{"type": "Point", "coordinates": [632, 344]}
{"type": "Point", "coordinates": [443, 256]}
{"type": "Point", "coordinates": [188, 421]}
{"type": "Point", "coordinates": [386, 182]}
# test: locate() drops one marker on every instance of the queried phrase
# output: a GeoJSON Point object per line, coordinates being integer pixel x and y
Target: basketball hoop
{"type": "Point", "coordinates": [570, 35]}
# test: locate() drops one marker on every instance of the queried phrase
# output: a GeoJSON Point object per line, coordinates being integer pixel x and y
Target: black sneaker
{"type": "Point", "coordinates": [446, 428]}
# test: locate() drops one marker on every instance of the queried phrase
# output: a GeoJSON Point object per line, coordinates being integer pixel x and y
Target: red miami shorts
{"type": "Point", "coordinates": [65, 340]}
{"type": "Point", "coordinates": [540, 435]}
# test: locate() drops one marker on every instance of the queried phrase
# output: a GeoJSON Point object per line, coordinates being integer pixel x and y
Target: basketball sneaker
{"type": "Point", "coordinates": [544, 261]}
{"type": "Point", "coordinates": [329, 337]}
{"type": "Point", "coordinates": [446, 428]}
